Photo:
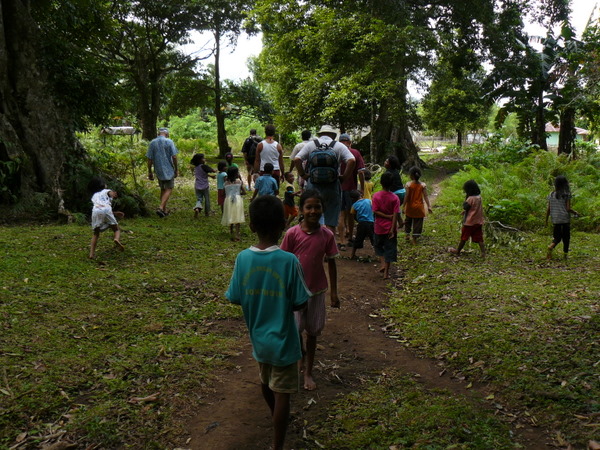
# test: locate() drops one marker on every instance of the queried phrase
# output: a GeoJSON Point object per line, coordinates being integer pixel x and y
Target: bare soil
{"type": "Point", "coordinates": [353, 348]}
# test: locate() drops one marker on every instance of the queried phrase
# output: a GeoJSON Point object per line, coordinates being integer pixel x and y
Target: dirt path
{"type": "Point", "coordinates": [353, 347]}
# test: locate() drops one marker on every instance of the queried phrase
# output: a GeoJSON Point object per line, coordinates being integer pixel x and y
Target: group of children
{"type": "Point", "coordinates": [282, 289]}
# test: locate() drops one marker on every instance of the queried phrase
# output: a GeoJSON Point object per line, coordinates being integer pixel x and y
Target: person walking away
{"type": "Point", "coordinates": [221, 178]}
{"type": "Point", "coordinates": [289, 199]}
{"type": "Point", "coordinates": [559, 209]}
{"type": "Point", "coordinates": [362, 210]}
{"type": "Point", "coordinates": [472, 219]}
{"type": "Point", "coordinates": [233, 207]}
{"type": "Point", "coordinates": [269, 151]}
{"type": "Point", "coordinates": [311, 243]}
{"type": "Point", "coordinates": [269, 286]}
{"type": "Point", "coordinates": [249, 152]}
{"type": "Point", "coordinates": [266, 184]}
{"type": "Point", "coordinates": [415, 201]}
{"type": "Point", "coordinates": [305, 139]}
{"type": "Point", "coordinates": [386, 209]}
{"type": "Point", "coordinates": [162, 154]}
{"type": "Point", "coordinates": [201, 173]}
{"type": "Point", "coordinates": [323, 157]}
{"type": "Point", "coordinates": [346, 222]}
{"type": "Point", "coordinates": [103, 216]}
{"type": "Point", "coordinates": [368, 186]}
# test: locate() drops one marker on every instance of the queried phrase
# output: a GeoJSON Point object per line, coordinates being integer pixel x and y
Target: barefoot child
{"type": "Point", "coordinates": [233, 207]}
{"type": "Point", "coordinates": [201, 171]}
{"type": "Point", "coordinates": [289, 199]}
{"type": "Point", "coordinates": [386, 209]}
{"type": "Point", "coordinates": [311, 242]}
{"type": "Point", "coordinates": [559, 209]}
{"type": "Point", "coordinates": [472, 218]}
{"type": "Point", "coordinates": [221, 178]}
{"type": "Point", "coordinates": [268, 284]}
{"type": "Point", "coordinates": [362, 210]}
{"type": "Point", "coordinates": [102, 214]}
{"type": "Point", "coordinates": [415, 200]}
{"type": "Point", "coordinates": [266, 184]}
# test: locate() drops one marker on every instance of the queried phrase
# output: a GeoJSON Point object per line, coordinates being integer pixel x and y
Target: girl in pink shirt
{"type": "Point", "coordinates": [472, 218]}
{"type": "Point", "coordinates": [311, 242]}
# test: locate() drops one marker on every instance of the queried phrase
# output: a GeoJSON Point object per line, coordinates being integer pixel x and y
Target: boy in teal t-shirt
{"type": "Point", "coordinates": [269, 285]}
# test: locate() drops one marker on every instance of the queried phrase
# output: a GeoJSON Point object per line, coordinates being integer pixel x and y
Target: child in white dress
{"type": "Point", "coordinates": [233, 207]}
{"type": "Point", "coordinates": [103, 217]}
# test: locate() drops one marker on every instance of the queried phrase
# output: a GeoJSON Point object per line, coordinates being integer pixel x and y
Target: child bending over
{"type": "Point", "coordinates": [103, 217]}
{"type": "Point", "coordinates": [362, 210]}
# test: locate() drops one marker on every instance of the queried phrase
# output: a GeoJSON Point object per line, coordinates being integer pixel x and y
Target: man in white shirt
{"type": "Point", "coordinates": [331, 191]}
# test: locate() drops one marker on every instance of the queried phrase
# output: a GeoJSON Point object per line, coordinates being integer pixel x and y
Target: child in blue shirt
{"type": "Point", "coordinates": [269, 285]}
{"type": "Point", "coordinates": [266, 184]}
{"type": "Point", "coordinates": [363, 213]}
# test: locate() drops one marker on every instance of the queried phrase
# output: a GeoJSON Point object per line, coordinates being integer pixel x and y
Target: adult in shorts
{"type": "Point", "coordinates": [162, 155]}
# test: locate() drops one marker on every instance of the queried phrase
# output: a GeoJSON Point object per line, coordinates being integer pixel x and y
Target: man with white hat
{"type": "Point", "coordinates": [330, 190]}
{"type": "Point", "coordinates": [162, 155]}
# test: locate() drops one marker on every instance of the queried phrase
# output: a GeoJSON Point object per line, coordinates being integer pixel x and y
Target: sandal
{"type": "Point", "coordinates": [341, 247]}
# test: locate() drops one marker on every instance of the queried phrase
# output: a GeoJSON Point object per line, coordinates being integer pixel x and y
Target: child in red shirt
{"type": "Point", "coordinates": [386, 208]}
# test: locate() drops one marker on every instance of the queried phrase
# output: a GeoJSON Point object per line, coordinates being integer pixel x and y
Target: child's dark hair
{"type": "Point", "coordinates": [471, 188]}
{"type": "Point", "coordinates": [221, 166]}
{"type": "Point", "coordinates": [268, 168]}
{"type": "Point", "coordinates": [96, 184]}
{"type": "Point", "coordinates": [394, 162]}
{"type": "Point", "coordinates": [367, 174]}
{"type": "Point", "coordinates": [266, 216]}
{"type": "Point", "coordinates": [387, 180]}
{"type": "Point", "coordinates": [415, 173]}
{"type": "Point", "coordinates": [354, 195]}
{"type": "Point", "coordinates": [561, 187]}
{"type": "Point", "coordinates": [311, 193]}
{"type": "Point", "coordinates": [197, 159]}
{"type": "Point", "coordinates": [232, 174]}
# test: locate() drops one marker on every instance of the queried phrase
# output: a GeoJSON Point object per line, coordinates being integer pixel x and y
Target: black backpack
{"type": "Point", "coordinates": [251, 144]}
{"type": "Point", "coordinates": [323, 164]}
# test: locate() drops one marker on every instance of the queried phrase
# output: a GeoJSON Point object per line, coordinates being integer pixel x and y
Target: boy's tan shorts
{"type": "Point", "coordinates": [283, 379]}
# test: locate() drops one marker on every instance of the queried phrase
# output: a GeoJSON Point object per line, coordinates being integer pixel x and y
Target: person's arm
{"type": "Point", "coordinates": [150, 174]}
{"type": "Point", "coordinates": [242, 190]}
{"type": "Point", "coordinates": [254, 194]}
{"type": "Point", "coordinates": [572, 211]}
{"type": "Point", "coordinates": [361, 180]}
{"type": "Point", "coordinates": [547, 212]}
{"type": "Point", "coordinates": [300, 168]}
{"type": "Point", "coordinates": [259, 148]}
{"type": "Point", "coordinates": [281, 164]}
{"type": "Point", "coordinates": [331, 265]}
{"type": "Point", "coordinates": [350, 163]}
{"type": "Point", "coordinates": [393, 227]}
{"type": "Point", "coordinates": [426, 198]}
{"type": "Point", "coordinates": [174, 158]}
{"type": "Point", "coordinates": [384, 215]}
{"type": "Point", "coordinates": [299, 307]}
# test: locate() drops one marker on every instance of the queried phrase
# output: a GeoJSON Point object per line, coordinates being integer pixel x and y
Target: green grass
{"type": "Point", "coordinates": [80, 338]}
{"type": "Point", "coordinates": [395, 411]}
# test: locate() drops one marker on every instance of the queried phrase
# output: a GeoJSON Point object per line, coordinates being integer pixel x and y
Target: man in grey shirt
{"type": "Point", "coordinates": [162, 155]}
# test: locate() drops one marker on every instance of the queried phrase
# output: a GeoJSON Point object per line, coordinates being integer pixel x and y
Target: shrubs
{"type": "Point", "coordinates": [514, 190]}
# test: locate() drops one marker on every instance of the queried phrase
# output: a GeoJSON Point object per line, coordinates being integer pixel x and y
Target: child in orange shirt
{"type": "Point", "coordinates": [414, 205]}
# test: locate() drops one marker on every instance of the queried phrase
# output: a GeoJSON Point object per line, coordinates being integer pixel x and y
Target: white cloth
{"type": "Point", "coordinates": [269, 154]}
{"type": "Point", "coordinates": [233, 206]}
{"type": "Point", "coordinates": [297, 149]}
{"type": "Point", "coordinates": [102, 215]}
{"type": "Point", "coordinates": [342, 152]}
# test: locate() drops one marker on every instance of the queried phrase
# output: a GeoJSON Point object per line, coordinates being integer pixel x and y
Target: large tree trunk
{"type": "Point", "coordinates": [219, 116]}
{"type": "Point", "coordinates": [35, 135]}
{"type": "Point", "coordinates": [539, 136]}
{"type": "Point", "coordinates": [567, 134]}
